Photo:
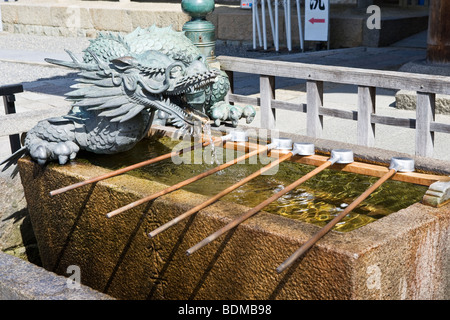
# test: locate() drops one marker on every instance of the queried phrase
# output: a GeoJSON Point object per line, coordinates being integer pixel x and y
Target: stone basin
{"type": "Point", "coordinates": [401, 256]}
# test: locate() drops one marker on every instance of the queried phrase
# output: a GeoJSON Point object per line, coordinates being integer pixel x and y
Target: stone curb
{"type": "Point", "coordinates": [21, 280]}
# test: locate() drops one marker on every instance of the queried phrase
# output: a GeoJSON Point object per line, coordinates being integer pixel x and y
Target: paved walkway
{"type": "Point", "coordinates": [22, 61]}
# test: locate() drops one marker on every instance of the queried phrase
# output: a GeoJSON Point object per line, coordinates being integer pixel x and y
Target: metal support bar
{"type": "Point", "coordinates": [263, 20]}
{"type": "Point", "coordinates": [9, 98]}
{"type": "Point", "coordinates": [276, 39]}
{"type": "Point", "coordinates": [255, 24]}
{"type": "Point", "coordinates": [287, 22]}
{"type": "Point", "coordinates": [274, 23]}
{"type": "Point", "coordinates": [300, 29]}
{"type": "Point", "coordinates": [272, 26]}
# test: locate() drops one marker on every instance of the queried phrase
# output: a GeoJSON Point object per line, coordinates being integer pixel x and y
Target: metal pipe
{"type": "Point", "coordinates": [256, 12]}
{"type": "Point", "coordinates": [286, 19]}
{"type": "Point", "coordinates": [276, 38]}
{"type": "Point", "coordinates": [188, 181]}
{"type": "Point", "coordinates": [263, 19]}
{"type": "Point", "coordinates": [300, 29]}
{"type": "Point", "coordinates": [135, 166]}
{"type": "Point", "coordinates": [269, 6]}
{"type": "Point", "coordinates": [221, 194]}
{"type": "Point", "coordinates": [288, 26]}
{"type": "Point", "coordinates": [336, 158]}
{"type": "Point", "coordinates": [397, 164]}
{"type": "Point", "coordinates": [254, 23]}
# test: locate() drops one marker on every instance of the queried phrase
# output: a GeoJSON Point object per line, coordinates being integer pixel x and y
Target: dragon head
{"type": "Point", "coordinates": [190, 82]}
{"type": "Point", "coordinates": [123, 87]}
{"type": "Point", "coordinates": [159, 74]}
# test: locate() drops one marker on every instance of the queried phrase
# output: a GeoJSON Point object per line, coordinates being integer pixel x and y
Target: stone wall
{"type": "Point", "coordinates": [86, 19]}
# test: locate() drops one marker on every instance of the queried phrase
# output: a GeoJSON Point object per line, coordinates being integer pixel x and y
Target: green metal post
{"type": "Point", "coordinates": [199, 30]}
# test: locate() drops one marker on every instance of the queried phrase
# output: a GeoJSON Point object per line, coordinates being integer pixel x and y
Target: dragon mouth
{"type": "Point", "coordinates": [180, 116]}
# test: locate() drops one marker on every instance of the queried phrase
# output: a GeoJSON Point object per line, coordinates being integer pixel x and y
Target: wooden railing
{"type": "Point", "coordinates": [426, 86]}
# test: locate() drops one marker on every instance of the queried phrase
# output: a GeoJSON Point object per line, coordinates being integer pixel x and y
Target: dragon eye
{"type": "Point", "coordinates": [176, 72]}
{"type": "Point", "coordinates": [201, 58]}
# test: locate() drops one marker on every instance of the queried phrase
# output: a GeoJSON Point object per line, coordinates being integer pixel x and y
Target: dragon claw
{"type": "Point", "coordinates": [65, 151]}
{"type": "Point", "coordinates": [223, 112]}
{"type": "Point", "coordinates": [40, 153]}
{"type": "Point", "coordinates": [44, 151]}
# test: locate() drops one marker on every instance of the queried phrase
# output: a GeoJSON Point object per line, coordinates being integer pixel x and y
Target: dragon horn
{"type": "Point", "coordinates": [102, 65]}
{"type": "Point", "coordinates": [74, 64]}
{"type": "Point", "coordinates": [71, 55]}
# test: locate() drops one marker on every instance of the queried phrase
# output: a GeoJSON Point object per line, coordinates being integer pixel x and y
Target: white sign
{"type": "Point", "coordinates": [316, 20]}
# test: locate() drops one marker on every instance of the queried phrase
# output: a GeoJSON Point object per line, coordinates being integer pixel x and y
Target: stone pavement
{"type": "Point", "coordinates": [45, 85]}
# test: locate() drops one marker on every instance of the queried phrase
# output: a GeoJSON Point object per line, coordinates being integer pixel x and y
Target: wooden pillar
{"type": "Point", "coordinates": [425, 115]}
{"type": "Point", "coordinates": [366, 106]}
{"type": "Point", "coordinates": [267, 94]}
{"type": "Point", "coordinates": [314, 101]}
{"type": "Point", "coordinates": [438, 43]}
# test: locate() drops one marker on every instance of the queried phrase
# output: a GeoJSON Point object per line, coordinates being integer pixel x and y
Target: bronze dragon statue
{"type": "Point", "coordinates": [124, 84]}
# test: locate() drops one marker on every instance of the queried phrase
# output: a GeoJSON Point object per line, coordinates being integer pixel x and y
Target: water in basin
{"type": "Point", "coordinates": [316, 201]}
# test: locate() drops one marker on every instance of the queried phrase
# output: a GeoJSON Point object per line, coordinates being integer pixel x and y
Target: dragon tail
{"type": "Point", "coordinates": [12, 159]}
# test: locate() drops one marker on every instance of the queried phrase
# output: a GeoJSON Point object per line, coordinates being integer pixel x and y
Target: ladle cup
{"type": "Point", "coordinates": [282, 144]}
{"type": "Point", "coordinates": [398, 164]}
{"type": "Point", "coordinates": [259, 150]}
{"type": "Point", "coordinates": [337, 156]}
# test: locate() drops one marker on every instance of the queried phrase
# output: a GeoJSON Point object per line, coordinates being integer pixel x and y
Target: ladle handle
{"type": "Point", "coordinates": [129, 168]}
{"type": "Point", "coordinates": [308, 244]}
{"type": "Point", "coordinates": [186, 182]}
{"type": "Point", "coordinates": [256, 209]}
{"type": "Point", "coordinates": [218, 196]}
